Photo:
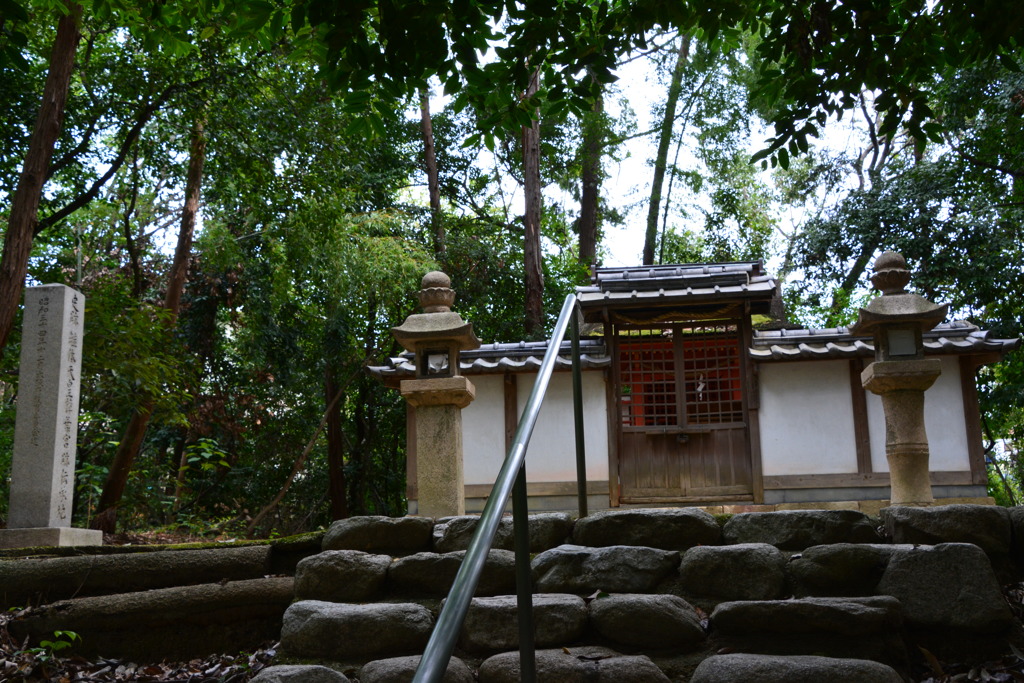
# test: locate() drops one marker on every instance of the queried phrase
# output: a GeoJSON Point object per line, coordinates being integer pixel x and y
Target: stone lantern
{"type": "Point", "coordinates": [896, 320]}
{"type": "Point", "coordinates": [439, 393]}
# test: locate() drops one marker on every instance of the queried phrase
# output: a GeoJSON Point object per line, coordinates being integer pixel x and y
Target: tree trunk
{"type": "Point", "coordinates": [360, 452]}
{"type": "Point", "coordinates": [183, 251]}
{"type": "Point", "coordinates": [117, 478]}
{"type": "Point", "coordinates": [531, 221]}
{"type": "Point", "coordinates": [180, 457]}
{"type": "Point", "coordinates": [128, 449]}
{"type": "Point", "coordinates": [593, 144]}
{"type": "Point", "coordinates": [840, 299]}
{"type": "Point", "coordinates": [433, 184]}
{"type": "Point", "coordinates": [675, 89]}
{"type": "Point", "coordinates": [25, 202]}
{"type": "Point", "coordinates": [134, 257]}
{"type": "Point", "coordinates": [335, 449]}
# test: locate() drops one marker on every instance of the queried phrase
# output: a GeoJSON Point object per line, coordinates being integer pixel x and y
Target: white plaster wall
{"type": "Point", "coordinates": [552, 452]}
{"type": "Point", "coordinates": [483, 430]}
{"type": "Point", "coordinates": [943, 421]}
{"type": "Point", "coordinates": [806, 418]}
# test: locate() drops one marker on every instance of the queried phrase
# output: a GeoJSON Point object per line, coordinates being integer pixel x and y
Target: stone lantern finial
{"type": "Point", "coordinates": [896, 308]}
{"type": "Point", "coordinates": [438, 334]}
{"type": "Point", "coordinates": [891, 273]}
{"type": "Point", "coordinates": [436, 295]}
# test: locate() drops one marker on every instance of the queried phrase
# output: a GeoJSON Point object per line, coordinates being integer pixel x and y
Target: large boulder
{"type": "Point", "coordinates": [580, 665]}
{"type": "Point", "coordinates": [836, 627]}
{"type": "Point", "coordinates": [547, 530]}
{"type": "Point", "coordinates": [402, 670]}
{"type": "Point", "coordinates": [379, 534]}
{"type": "Point", "coordinates": [667, 529]}
{"type": "Point", "coordinates": [842, 569]}
{"type": "Point", "coordinates": [986, 526]}
{"type": "Point", "coordinates": [748, 668]}
{"type": "Point", "coordinates": [619, 569]}
{"type": "Point", "coordinates": [341, 576]}
{"type": "Point", "coordinates": [432, 574]}
{"type": "Point", "coordinates": [800, 529]}
{"type": "Point", "coordinates": [32, 581]}
{"type": "Point", "coordinates": [314, 629]}
{"type": "Point", "coordinates": [492, 624]}
{"type": "Point", "coordinates": [656, 622]}
{"type": "Point", "coordinates": [181, 622]}
{"type": "Point", "coordinates": [946, 588]}
{"type": "Point", "coordinates": [299, 673]}
{"type": "Point", "coordinates": [748, 571]}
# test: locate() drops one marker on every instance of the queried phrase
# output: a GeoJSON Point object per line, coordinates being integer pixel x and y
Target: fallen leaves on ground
{"type": "Point", "coordinates": [20, 662]}
{"type": "Point", "coordinates": [1009, 669]}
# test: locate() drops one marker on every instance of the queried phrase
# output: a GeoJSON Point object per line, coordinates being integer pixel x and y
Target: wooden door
{"type": "Point", "coordinates": [682, 406]}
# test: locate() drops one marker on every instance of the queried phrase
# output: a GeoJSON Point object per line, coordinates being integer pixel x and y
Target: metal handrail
{"type": "Point", "coordinates": [449, 623]}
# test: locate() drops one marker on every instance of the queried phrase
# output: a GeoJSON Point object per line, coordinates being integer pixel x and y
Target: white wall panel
{"type": "Point", "coordinates": [943, 421]}
{"type": "Point", "coordinates": [806, 418]}
{"type": "Point", "coordinates": [552, 452]}
{"type": "Point", "coordinates": [483, 430]}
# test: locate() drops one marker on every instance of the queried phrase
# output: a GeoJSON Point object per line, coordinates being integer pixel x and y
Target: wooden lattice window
{"type": "Point", "coordinates": [648, 380]}
{"type": "Point", "coordinates": [678, 375]}
{"type": "Point", "coordinates": [711, 365]}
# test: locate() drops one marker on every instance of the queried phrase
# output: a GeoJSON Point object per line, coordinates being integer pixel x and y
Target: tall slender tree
{"type": "Point", "coordinates": [430, 165]}
{"type": "Point", "coordinates": [24, 213]}
{"type": "Point", "coordinates": [532, 190]}
{"type": "Point", "coordinates": [592, 151]}
{"type": "Point", "coordinates": [668, 119]}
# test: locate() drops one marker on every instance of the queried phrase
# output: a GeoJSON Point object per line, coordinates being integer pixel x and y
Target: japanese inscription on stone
{"type": "Point", "coordinates": [46, 425]}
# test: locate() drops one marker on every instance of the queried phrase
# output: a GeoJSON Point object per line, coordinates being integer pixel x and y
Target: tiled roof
{"type": "Point", "coordinates": [514, 357]}
{"type": "Point", "coordinates": [683, 283]}
{"type": "Point", "coordinates": [957, 337]}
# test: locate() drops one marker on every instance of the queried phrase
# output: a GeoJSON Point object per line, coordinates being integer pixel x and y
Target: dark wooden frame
{"type": "Point", "coordinates": [856, 480]}
{"type": "Point", "coordinates": [748, 410]}
{"type": "Point", "coordinates": [861, 432]}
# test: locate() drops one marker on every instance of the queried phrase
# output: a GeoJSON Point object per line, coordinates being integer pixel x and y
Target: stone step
{"type": "Point", "coordinates": [34, 581]}
{"type": "Point", "coordinates": [37, 576]}
{"type": "Point", "coordinates": [749, 668]}
{"type": "Point", "coordinates": [579, 665]}
{"type": "Point", "coordinates": [642, 583]}
{"type": "Point", "coordinates": [166, 623]}
{"type": "Point", "coordinates": [665, 528]}
{"type": "Point", "coordinates": [492, 623]}
{"type": "Point", "coordinates": [355, 576]}
{"type": "Point", "coordinates": [314, 629]}
{"type": "Point", "coordinates": [868, 628]}
{"type": "Point", "coordinates": [637, 582]}
{"type": "Point", "coordinates": [861, 628]}
{"type": "Point", "coordinates": [997, 531]}
{"type": "Point", "coordinates": [591, 664]}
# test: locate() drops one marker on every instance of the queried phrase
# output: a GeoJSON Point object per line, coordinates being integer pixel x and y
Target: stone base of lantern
{"type": "Point", "coordinates": [49, 537]}
{"type": "Point", "coordinates": [439, 472]}
{"type": "Point", "coordinates": [902, 384]}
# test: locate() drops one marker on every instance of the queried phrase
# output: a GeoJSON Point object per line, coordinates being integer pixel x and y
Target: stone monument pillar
{"type": "Point", "coordinates": [439, 393]}
{"type": "Point", "coordinates": [46, 423]}
{"type": "Point", "coordinates": [901, 374]}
